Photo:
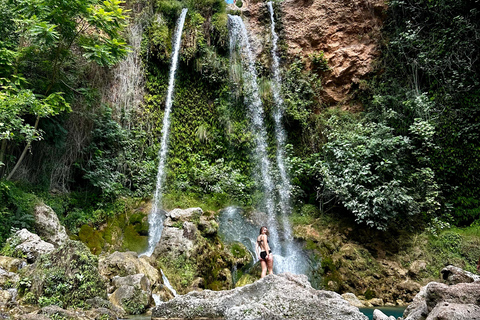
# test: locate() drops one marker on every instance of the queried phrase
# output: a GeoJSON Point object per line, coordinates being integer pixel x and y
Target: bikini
{"type": "Point", "coordinates": [263, 254]}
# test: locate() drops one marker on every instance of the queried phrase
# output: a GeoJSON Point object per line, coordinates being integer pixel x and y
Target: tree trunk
{"type": "Point", "coordinates": [29, 143]}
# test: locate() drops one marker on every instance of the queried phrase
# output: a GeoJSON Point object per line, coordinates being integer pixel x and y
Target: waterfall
{"type": "Point", "coordinates": [239, 41]}
{"type": "Point", "coordinates": [289, 255]}
{"type": "Point", "coordinates": [285, 188]}
{"type": "Point", "coordinates": [155, 219]}
{"type": "Point", "coordinates": [167, 284]}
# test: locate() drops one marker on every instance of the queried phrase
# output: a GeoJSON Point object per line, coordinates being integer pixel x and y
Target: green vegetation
{"type": "Point", "coordinates": [67, 277]}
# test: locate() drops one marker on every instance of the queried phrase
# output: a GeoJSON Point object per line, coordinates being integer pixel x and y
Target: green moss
{"type": "Point", "coordinates": [238, 250]}
{"type": "Point", "coordinates": [133, 241]}
{"type": "Point", "coordinates": [92, 238]}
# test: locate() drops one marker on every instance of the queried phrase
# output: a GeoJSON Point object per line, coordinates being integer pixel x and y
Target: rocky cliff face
{"type": "Point", "coordinates": [347, 31]}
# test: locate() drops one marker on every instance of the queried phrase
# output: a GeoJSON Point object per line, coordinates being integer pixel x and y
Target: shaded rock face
{"type": "Point", "coordinates": [284, 296]}
{"type": "Point", "coordinates": [48, 226]}
{"type": "Point", "coordinates": [439, 301]}
{"type": "Point", "coordinates": [347, 31]}
{"type": "Point", "coordinates": [132, 293]}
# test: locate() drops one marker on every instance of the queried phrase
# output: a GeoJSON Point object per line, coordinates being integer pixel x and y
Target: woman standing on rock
{"type": "Point", "coordinates": [264, 254]}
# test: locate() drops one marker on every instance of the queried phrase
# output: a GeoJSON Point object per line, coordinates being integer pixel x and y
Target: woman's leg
{"type": "Point", "coordinates": [270, 264]}
{"type": "Point", "coordinates": [264, 268]}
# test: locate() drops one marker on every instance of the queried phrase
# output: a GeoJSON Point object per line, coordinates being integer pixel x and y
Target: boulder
{"type": "Point", "coordinates": [273, 297]}
{"type": "Point", "coordinates": [99, 305]}
{"type": "Point", "coordinates": [379, 315]}
{"type": "Point", "coordinates": [181, 215]}
{"type": "Point", "coordinates": [68, 274]}
{"type": "Point", "coordinates": [453, 275]}
{"type": "Point", "coordinates": [353, 300]}
{"type": "Point", "coordinates": [130, 299]}
{"type": "Point", "coordinates": [128, 263]}
{"type": "Point", "coordinates": [176, 241]}
{"type": "Point", "coordinates": [31, 245]}
{"type": "Point", "coordinates": [463, 293]}
{"type": "Point", "coordinates": [454, 311]}
{"type": "Point", "coordinates": [439, 301]}
{"type": "Point", "coordinates": [48, 226]}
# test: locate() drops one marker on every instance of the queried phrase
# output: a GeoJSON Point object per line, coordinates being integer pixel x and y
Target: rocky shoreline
{"type": "Point", "coordinates": [53, 277]}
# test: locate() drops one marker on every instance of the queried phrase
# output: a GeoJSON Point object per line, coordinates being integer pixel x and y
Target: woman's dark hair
{"type": "Point", "coordinates": [262, 229]}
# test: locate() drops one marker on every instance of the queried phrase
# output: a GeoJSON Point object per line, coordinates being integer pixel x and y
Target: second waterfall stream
{"type": "Point", "coordinates": [156, 217]}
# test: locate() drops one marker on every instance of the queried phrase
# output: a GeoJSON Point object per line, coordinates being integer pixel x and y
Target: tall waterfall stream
{"type": "Point", "coordinates": [288, 254]}
{"type": "Point", "coordinates": [156, 217]}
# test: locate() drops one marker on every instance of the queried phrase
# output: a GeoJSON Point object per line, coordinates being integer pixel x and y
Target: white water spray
{"type": "Point", "coordinates": [289, 251]}
{"type": "Point", "coordinates": [167, 284]}
{"type": "Point", "coordinates": [239, 41]}
{"type": "Point", "coordinates": [155, 219]}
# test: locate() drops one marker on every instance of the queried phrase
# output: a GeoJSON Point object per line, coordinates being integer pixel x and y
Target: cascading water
{"type": "Point", "coordinates": [289, 251]}
{"type": "Point", "coordinates": [239, 41]}
{"type": "Point", "coordinates": [156, 217]}
{"type": "Point", "coordinates": [289, 255]}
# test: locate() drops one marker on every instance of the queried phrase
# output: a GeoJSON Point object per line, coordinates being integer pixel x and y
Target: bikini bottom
{"type": "Point", "coordinates": [263, 254]}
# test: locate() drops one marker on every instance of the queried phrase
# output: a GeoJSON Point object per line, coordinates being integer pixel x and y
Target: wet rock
{"type": "Point", "coordinates": [273, 297]}
{"type": "Point", "coordinates": [48, 226]}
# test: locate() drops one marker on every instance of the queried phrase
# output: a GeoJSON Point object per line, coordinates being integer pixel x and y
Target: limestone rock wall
{"type": "Point", "coordinates": [347, 31]}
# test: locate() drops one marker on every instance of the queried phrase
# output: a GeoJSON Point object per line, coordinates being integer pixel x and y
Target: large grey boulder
{"type": "Point", "coordinates": [31, 245]}
{"type": "Point", "coordinates": [453, 275]}
{"type": "Point", "coordinates": [48, 226]}
{"type": "Point", "coordinates": [284, 296]}
{"type": "Point", "coordinates": [128, 263]}
{"type": "Point", "coordinates": [439, 301]}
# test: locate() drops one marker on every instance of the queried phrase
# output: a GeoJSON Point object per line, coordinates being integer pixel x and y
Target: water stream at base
{"type": "Point", "coordinates": [156, 217]}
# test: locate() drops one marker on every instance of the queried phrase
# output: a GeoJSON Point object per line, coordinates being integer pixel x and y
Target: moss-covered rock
{"type": "Point", "coordinates": [190, 249]}
{"type": "Point", "coordinates": [66, 277]}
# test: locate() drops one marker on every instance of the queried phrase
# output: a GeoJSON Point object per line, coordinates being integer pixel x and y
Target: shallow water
{"type": "Point", "coordinates": [389, 311]}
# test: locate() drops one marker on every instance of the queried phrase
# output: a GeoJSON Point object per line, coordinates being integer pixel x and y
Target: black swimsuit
{"type": "Point", "coordinates": [263, 254]}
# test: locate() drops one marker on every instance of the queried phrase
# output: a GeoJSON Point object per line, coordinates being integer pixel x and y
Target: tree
{"type": "Point", "coordinates": [37, 59]}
